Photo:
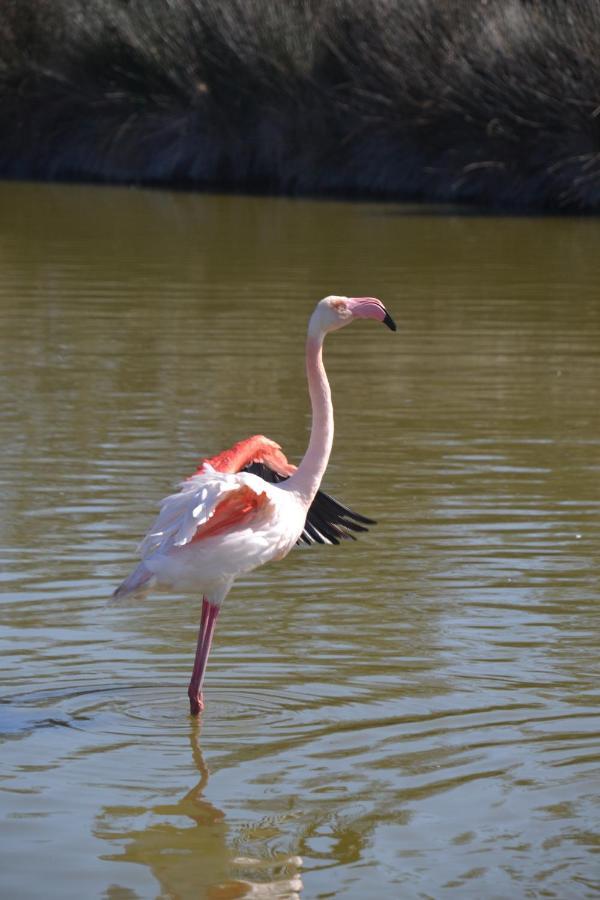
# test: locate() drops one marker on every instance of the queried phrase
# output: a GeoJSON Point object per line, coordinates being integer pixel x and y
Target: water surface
{"type": "Point", "coordinates": [412, 715]}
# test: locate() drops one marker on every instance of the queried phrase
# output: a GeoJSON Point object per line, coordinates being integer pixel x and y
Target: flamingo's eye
{"type": "Point", "coordinates": [339, 305]}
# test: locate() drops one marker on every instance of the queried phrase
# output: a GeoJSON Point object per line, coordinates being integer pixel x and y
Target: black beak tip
{"type": "Point", "coordinates": [389, 321]}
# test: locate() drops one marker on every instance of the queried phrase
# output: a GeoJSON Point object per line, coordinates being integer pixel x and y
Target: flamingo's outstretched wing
{"type": "Point", "coordinates": [205, 505]}
{"type": "Point", "coordinates": [328, 521]}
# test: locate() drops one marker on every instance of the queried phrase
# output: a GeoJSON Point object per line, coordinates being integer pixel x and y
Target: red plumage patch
{"type": "Point", "coordinates": [257, 448]}
{"type": "Point", "coordinates": [235, 510]}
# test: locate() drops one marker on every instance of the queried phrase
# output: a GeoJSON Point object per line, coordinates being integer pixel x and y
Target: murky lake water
{"type": "Point", "coordinates": [413, 715]}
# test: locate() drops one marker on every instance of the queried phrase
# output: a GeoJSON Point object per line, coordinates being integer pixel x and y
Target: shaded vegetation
{"type": "Point", "coordinates": [493, 102]}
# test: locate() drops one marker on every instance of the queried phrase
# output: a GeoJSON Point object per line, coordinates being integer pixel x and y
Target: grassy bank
{"type": "Point", "coordinates": [494, 102]}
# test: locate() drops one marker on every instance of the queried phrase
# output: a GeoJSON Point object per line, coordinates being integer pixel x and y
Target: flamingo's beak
{"type": "Point", "coordinates": [389, 321]}
{"type": "Point", "coordinates": [369, 308]}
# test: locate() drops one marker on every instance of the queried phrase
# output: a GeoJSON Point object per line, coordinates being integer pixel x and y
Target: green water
{"type": "Point", "coordinates": [413, 715]}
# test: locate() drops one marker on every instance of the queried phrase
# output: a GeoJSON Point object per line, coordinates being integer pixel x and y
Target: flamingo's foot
{"type": "Point", "coordinates": [196, 703]}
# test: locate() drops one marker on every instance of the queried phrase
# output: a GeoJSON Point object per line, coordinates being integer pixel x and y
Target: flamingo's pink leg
{"type": "Point", "coordinates": [205, 636]}
{"type": "Point", "coordinates": [196, 702]}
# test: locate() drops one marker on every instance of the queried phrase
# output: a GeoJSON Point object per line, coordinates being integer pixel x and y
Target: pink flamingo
{"type": "Point", "coordinates": [249, 505]}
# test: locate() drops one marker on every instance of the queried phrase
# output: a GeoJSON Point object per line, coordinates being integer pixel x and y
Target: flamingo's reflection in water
{"type": "Point", "coordinates": [176, 836]}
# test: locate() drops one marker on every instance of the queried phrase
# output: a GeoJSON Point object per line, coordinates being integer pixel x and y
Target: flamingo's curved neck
{"type": "Point", "coordinates": [307, 478]}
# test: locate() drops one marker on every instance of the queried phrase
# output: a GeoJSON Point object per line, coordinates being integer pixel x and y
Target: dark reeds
{"type": "Point", "coordinates": [491, 101]}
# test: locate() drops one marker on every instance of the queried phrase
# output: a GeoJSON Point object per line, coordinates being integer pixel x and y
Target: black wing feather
{"type": "Point", "coordinates": [327, 520]}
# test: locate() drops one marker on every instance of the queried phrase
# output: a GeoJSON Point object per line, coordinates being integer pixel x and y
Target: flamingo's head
{"type": "Point", "coordinates": [335, 312]}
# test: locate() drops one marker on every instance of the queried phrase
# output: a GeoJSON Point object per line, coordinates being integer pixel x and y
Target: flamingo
{"type": "Point", "coordinates": [248, 505]}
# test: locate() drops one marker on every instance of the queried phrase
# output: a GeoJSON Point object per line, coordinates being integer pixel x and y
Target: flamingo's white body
{"type": "Point", "coordinates": [210, 564]}
{"type": "Point", "coordinates": [224, 522]}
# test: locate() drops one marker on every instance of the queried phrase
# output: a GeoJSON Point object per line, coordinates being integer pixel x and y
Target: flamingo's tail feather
{"type": "Point", "coordinates": [138, 584]}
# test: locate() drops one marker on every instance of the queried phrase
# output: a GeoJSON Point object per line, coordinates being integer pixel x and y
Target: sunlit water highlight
{"type": "Point", "coordinates": [413, 715]}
